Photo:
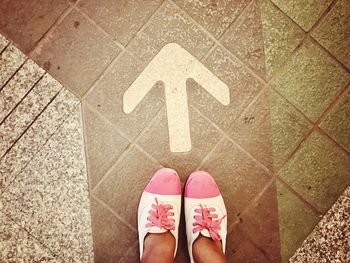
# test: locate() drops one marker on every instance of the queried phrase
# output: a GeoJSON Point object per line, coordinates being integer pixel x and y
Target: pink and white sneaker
{"type": "Point", "coordinates": [160, 206]}
{"type": "Point", "coordinates": [205, 210]}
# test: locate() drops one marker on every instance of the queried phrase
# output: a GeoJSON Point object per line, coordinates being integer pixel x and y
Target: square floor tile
{"type": "Point", "coordinates": [112, 238]}
{"type": "Point", "coordinates": [310, 80]}
{"type": "Point", "coordinates": [337, 123]}
{"type": "Point", "coordinates": [334, 32]}
{"type": "Point", "coordinates": [245, 38]}
{"type": "Point", "coordinates": [261, 224]}
{"type": "Point", "coordinates": [281, 36]}
{"type": "Point", "coordinates": [239, 178]}
{"type": "Point", "coordinates": [107, 96]}
{"type": "Point", "coordinates": [252, 130]}
{"type": "Point", "coordinates": [239, 248]}
{"type": "Point", "coordinates": [121, 19]}
{"type": "Point", "coordinates": [288, 128]}
{"type": "Point", "coordinates": [25, 22]}
{"type": "Point", "coordinates": [304, 12]}
{"type": "Point", "coordinates": [75, 52]}
{"type": "Point", "coordinates": [168, 25]}
{"type": "Point", "coordinates": [155, 140]}
{"type": "Point", "coordinates": [104, 144]}
{"type": "Point", "coordinates": [122, 187]}
{"type": "Point", "coordinates": [241, 82]}
{"type": "Point", "coordinates": [215, 16]}
{"type": "Point", "coordinates": [319, 171]}
{"type": "Point", "coordinates": [296, 221]}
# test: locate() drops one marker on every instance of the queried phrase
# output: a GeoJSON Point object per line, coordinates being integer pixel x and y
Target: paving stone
{"type": "Point", "coordinates": [104, 144]}
{"type": "Point", "coordinates": [21, 118]}
{"type": "Point", "coordinates": [288, 128]}
{"type": "Point", "coordinates": [337, 124]}
{"type": "Point", "coordinates": [25, 22]}
{"type": "Point", "coordinates": [155, 141]}
{"type": "Point", "coordinates": [169, 25]}
{"type": "Point", "coordinates": [334, 32]}
{"type": "Point", "coordinates": [304, 12]}
{"type": "Point", "coordinates": [296, 221]}
{"type": "Point", "coordinates": [281, 36]}
{"type": "Point", "coordinates": [310, 80]}
{"type": "Point", "coordinates": [241, 82]}
{"type": "Point", "coordinates": [78, 58]}
{"type": "Point", "coordinates": [245, 38]}
{"type": "Point", "coordinates": [36, 136]}
{"type": "Point", "coordinates": [120, 19]}
{"type": "Point", "coordinates": [107, 97]}
{"type": "Point", "coordinates": [18, 246]}
{"type": "Point", "coordinates": [319, 171]}
{"type": "Point", "coordinates": [329, 241]}
{"type": "Point", "coordinates": [49, 199]}
{"type": "Point", "coordinates": [124, 183]}
{"type": "Point", "coordinates": [252, 130]}
{"type": "Point", "coordinates": [10, 60]}
{"type": "Point", "coordinates": [261, 224]}
{"type": "Point", "coordinates": [215, 16]}
{"type": "Point", "coordinates": [239, 248]}
{"type": "Point", "coordinates": [112, 238]}
{"type": "Point", "coordinates": [18, 86]}
{"type": "Point", "coordinates": [3, 43]}
{"type": "Point", "coordinates": [239, 178]}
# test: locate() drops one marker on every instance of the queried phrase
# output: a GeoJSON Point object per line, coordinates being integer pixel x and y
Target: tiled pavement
{"type": "Point", "coordinates": [280, 151]}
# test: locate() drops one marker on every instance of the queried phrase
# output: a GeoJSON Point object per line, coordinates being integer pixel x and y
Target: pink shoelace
{"type": "Point", "coordinates": [159, 216]}
{"type": "Point", "coordinates": [205, 221]}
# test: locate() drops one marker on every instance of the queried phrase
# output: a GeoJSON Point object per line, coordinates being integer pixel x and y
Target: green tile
{"type": "Point", "coordinates": [319, 172]}
{"type": "Point", "coordinates": [288, 128]}
{"type": "Point", "coordinates": [337, 123]}
{"type": "Point", "coordinates": [310, 80]}
{"type": "Point", "coordinates": [296, 221]}
{"type": "Point", "coordinates": [281, 36]}
{"type": "Point", "coordinates": [303, 12]}
{"type": "Point", "coordinates": [334, 32]}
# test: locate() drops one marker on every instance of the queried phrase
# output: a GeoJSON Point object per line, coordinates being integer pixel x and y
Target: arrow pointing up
{"type": "Point", "coordinates": [174, 65]}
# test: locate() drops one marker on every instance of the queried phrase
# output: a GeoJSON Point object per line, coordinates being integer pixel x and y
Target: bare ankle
{"type": "Point", "coordinates": [207, 250]}
{"type": "Point", "coordinates": [159, 246]}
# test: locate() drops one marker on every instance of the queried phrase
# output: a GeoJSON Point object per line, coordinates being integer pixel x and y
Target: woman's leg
{"type": "Point", "coordinates": [159, 248]}
{"type": "Point", "coordinates": [205, 250]}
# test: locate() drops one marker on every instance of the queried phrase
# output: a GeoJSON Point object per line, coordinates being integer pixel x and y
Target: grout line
{"type": "Point", "coordinates": [323, 16]}
{"type": "Point", "coordinates": [333, 58]}
{"type": "Point", "coordinates": [20, 101]}
{"type": "Point", "coordinates": [341, 94]}
{"type": "Point", "coordinates": [40, 148]}
{"type": "Point", "coordinates": [146, 23]}
{"type": "Point", "coordinates": [15, 72]}
{"type": "Point", "coordinates": [31, 123]}
{"type": "Point", "coordinates": [299, 196]}
{"type": "Point", "coordinates": [234, 21]}
{"type": "Point", "coordinates": [53, 27]}
{"type": "Point", "coordinates": [217, 43]}
{"type": "Point", "coordinates": [228, 137]}
{"type": "Point", "coordinates": [107, 69]}
{"type": "Point", "coordinates": [30, 234]}
{"type": "Point", "coordinates": [332, 141]}
{"type": "Point", "coordinates": [115, 41]}
{"type": "Point", "coordinates": [122, 220]}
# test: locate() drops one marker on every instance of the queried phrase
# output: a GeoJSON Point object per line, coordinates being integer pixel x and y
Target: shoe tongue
{"type": "Point", "coordinates": [157, 230]}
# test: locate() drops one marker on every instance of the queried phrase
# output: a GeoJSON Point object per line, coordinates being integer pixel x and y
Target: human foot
{"type": "Point", "coordinates": [159, 210]}
{"type": "Point", "coordinates": [205, 213]}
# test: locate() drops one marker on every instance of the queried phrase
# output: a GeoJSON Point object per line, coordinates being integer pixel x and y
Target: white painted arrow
{"type": "Point", "coordinates": [174, 65]}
